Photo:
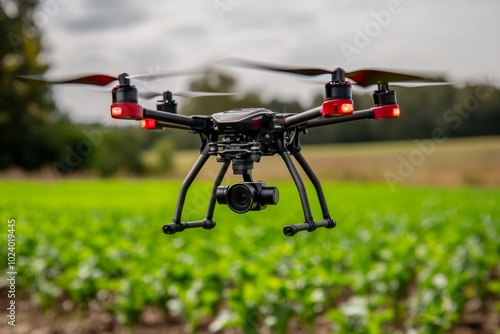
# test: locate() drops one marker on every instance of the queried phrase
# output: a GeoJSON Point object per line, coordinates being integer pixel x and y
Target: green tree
{"type": "Point", "coordinates": [25, 111]}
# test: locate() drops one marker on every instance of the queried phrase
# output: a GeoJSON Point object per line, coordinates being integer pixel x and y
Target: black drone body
{"type": "Point", "coordinates": [243, 120]}
{"type": "Point", "coordinates": [241, 137]}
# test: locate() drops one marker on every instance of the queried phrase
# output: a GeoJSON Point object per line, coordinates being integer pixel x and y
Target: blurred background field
{"type": "Point", "coordinates": [92, 256]}
{"type": "Point", "coordinates": [455, 162]}
{"type": "Point", "coordinates": [417, 199]}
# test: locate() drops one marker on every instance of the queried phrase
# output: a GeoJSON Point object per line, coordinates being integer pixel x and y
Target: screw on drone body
{"type": "Point", "coordinates": [212, 148]}
{"type": "Point", "coordinates": [255, 147]}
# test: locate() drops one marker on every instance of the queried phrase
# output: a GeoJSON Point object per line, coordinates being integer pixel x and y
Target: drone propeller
{"type": "Point", "coordinates": [150, 95]}
{"type": "Point", "coordinates": [100, 79]}
{"type": "Point", "coordinates": [363, 78]}
{"type": "Point", "coordinates": [408, 84]}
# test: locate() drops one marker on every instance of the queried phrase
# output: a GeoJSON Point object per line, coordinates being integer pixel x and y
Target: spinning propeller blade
{"type": "Point", "coordinates": [409, 84]}
{"type": "Point", "coordinates": [100, 79]}
{"type": "Point", "coordinates": [364, 77]}
{"type": "Point", "coordinates": [163, 74]}
{"type": "Point", "coordinates": [368, 77]}
{"type": "Point", "coordinates": [96, 79]}
{"type": "Point", "coordinates": [150, 95]}
{"type": "Point", "coordinates": [238, 62]}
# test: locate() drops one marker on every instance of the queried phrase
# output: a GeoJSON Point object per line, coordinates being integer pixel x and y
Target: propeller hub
{"type": "Point", "coordinates": [382, 86]}
{"type": "Point", "coordinates": [168, 96]}
{"type": "Point", "coordinates": [338, 88]}
{"type": "Point", "coordinates": [167, 104]}
{"type": "Point", "coordinates": [384, 95]}
{"type": "Point", "coordinates": [124, 92]}
{"type": "Point", "coordinates": [338, 75]}
{"type": "Point", "coordinates": [123, 79]}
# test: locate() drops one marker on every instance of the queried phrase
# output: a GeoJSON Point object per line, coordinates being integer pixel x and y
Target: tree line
{"type": "Point", "coordinates": [34, 134]}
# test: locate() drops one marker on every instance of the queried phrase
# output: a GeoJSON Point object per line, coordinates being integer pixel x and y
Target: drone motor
{"type": "Point", "coordinates": [167, 104]}
{"type": "Point", "coordinates": [385, 104]}
{"type": "Point", "coordinates": [338, 94]}
{"type": "Point", "coordinates": [125, 100]}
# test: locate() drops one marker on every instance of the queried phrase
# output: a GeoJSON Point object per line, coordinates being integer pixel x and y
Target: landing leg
{"type": "Point", "coordinates": [177, 225]}
{"type": "Point", "coordinates": [315, 181]}
{"type": "Point", "coordinates": [309, 224]}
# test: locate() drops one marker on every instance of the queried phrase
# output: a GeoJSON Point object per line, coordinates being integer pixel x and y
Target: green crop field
{"type": "Point", "coordinates": [409, 258]}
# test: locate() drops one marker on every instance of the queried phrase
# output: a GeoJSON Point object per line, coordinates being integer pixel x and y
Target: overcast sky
{"type": "Point", "coordinates": [459, 37]}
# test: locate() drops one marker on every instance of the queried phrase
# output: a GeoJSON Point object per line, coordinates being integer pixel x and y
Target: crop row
{"type": "Point", "coordinates": [399, 259]}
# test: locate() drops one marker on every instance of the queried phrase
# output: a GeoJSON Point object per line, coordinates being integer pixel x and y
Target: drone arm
{"type": "Point", "coordinates": [333, 107]}
{"type": "Point", "coordinates": [303, 117]}
{"type": "Point", "coordinates": [387, 110]}
{"type": "Point", "coordinates": [355, 116]}
{"type": "Point", "coordinates": [173, 126]}
{"type": "Point", "coordinates": [187, 121]}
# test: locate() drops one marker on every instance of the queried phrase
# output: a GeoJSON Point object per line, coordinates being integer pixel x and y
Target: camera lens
{"type": "Point", "coordinates": [240, 197]}
{"type": "Point", "coordinates": [221, 194]}
{"type": "Point", "coordinates": [269, 195]}
{"type": "Point", "coordinates": [246, 196]}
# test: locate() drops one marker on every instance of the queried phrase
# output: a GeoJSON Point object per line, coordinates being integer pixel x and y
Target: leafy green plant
{"type": "Point", "coordinates": [408, 260]}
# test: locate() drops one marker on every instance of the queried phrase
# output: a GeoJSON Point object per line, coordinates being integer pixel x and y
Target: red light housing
{"type": "Point", "coordinates": [126, 110]}
{"type": "Point", "coordinates": [388, 111]}
{"type": "Point", "coordinates": [337, 107]}
{"type": "Point", "coordinates": [149, 123]}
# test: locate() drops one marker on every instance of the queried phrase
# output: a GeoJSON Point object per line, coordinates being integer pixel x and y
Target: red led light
{"type": "Point", "coordinates": [148, 124]}
{"type": "Point", "coordinates": [338, 107]}
{"type": "Point", "coordinates": [346, 108]}
{"type": "Point", "coordinates": [126, 110]}
{"type": "Point", "coordinates": [116, 111]}
{"type": "Point", "coordinates": [388, 111]}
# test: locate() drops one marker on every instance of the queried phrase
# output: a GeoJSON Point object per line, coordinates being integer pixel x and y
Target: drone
{"type": "Point", "coordinates": [241, 137]}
